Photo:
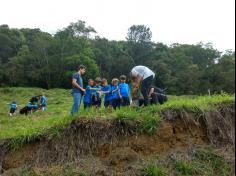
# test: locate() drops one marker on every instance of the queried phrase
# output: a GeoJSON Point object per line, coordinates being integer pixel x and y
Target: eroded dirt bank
{"type": "Point", "coordinates": [115, 148]}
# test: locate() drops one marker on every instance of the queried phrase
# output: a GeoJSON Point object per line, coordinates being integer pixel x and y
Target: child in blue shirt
{"type": "Point", "coordinates": [124, 91]}
{"type": "Point", "coordinates": [106, 89]}
{"type": "Point", "coordinates": [116, 97]}
{"type": "Point", "coordinates": [43, 102]}
{"type": "Point", "coordinates": [88, 94]}
{"type": "Point", "coordinates": [96, 95]}
{"type": "Point", "coordinates": [13, 107]}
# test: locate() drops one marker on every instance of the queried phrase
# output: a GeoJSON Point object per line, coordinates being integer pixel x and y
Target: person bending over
{"type": "Point", "coordinates": [143, 76]}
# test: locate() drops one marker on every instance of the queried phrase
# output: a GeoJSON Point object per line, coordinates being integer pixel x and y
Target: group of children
{"type": "Point", "coordinates": [35, 103]}
{"type": "Point", "coordinates": [115, 95]}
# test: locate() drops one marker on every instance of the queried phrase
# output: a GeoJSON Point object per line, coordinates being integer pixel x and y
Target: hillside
{"type": "Point", "coordinates": [186, 136]}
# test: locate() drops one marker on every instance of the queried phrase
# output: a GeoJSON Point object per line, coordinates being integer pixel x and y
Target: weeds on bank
{"type": "Point", "coordinates": [203, 163]}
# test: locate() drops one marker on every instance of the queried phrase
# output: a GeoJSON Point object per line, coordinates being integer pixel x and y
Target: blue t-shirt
{"type": "Point", "coordinates": [115, 95]}
{"type": "Point", "coordinates": [32, 106]}
{"type": "Point", "coordinates": [13, 106]}
{"type": "Point", "coordinates": [79, 81]}
{"type": "Point", "coordinates": [124, 89]}
{"type": "Point", "coordinates": [108, 94]}
{"type": "Point", "coordinates": [43, 101]}
{"type": "Point", "coordinates": [88, 95]}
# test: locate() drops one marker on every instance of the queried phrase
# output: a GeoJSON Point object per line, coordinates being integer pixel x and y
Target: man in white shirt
{"type": "Point", "coordinates": [144, 76]}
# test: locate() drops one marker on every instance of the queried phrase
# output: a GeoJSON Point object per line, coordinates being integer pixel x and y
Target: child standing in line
{"type": "Point", "coordinates": [116, 97]}
{"type": "Point", "coordinates": [124, 91]}
{"type": "Point", "coordinates": [88, 94]}
{"type": "Point", "coordinates": [96, 95]}
{"type": "Point", "coordinates": [106, 89]}
{"type": "Point", "coordinates": [13, 107]}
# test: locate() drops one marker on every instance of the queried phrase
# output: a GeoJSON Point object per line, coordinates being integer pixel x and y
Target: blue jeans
{"type": "Point", "coordinates": [77, 101]}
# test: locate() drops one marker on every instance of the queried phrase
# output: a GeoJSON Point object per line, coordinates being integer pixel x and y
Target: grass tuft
{"type": "Point", "coordinates": [153, 170]}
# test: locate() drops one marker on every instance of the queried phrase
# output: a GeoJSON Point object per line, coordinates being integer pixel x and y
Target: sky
{"type": "Point", "coordinates": [171, 21]}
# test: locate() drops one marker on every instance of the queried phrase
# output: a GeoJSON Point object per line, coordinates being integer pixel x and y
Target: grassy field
{"type": "Point", "coordinates": [57, 116]}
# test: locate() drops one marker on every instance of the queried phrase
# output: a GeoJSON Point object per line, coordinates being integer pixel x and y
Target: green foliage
{"type": "Point", "coordinates": [31, 57]}
{"type": "Point", "coordinates": [153, 170]}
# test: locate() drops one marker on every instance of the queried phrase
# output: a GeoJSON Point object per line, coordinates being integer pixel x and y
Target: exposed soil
{"type": "Point", "coordinates": [102, 147]}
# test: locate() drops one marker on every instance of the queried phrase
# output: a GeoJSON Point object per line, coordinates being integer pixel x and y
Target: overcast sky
{"type": "Point", "coordinates": [171, 21]}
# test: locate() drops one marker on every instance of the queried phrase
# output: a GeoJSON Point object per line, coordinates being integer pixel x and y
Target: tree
{"type": "Point", "coordinates": [139, 34]}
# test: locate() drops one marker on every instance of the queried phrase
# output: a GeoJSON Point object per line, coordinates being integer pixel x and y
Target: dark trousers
{"type": "Point", "coordinates": [107, 103]}
{"type": "Point", "coordinates": [12, 110]}
{"type": "Point", "coordinates": [125, 101]}
{"type": "Point", "coordinates": [116, 103]}
{"type": "Point", "coordinates": [145, 88]}
{"type": "Point", "coordinates": [87, 105]}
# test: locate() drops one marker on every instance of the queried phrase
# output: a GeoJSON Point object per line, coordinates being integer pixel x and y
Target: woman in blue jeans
{"type": "Point", "coordinates": [77, 89]}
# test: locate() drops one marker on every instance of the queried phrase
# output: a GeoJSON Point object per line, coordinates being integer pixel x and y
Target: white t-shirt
{"type": "Point", "coordinates": [142, 71]}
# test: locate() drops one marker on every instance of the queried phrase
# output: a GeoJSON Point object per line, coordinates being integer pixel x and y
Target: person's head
{"type": "Point", "coordinates": [13, 102]}
{"type": "Point", "coordinates": [123, 78]}
{"type": "Point", "coordinates": [82, 69]}
{"type": "Point", "coordinates": [91, 82]}
{"type": "Point", "coordinates": [104, 82]}
{"type": "Point", "coordinates": [115, 81]}
{"type": "Point", "coordinates": [98, 81]}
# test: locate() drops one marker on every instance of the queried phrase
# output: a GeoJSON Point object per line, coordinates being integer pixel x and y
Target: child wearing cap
{"type": "Point", "coordinates": [116, 97]}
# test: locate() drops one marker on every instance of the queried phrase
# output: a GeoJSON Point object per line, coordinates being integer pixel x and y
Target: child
{"type": "Point", "coordinates": [96, 95]}
{"type": "Point", "coordinates": [124, 91]}
{"type": "Point", "coordinates": [13, 107]}
{"type": "Point", "coordinates": [43, 102]}
{"type": "Point", "coordinates": [29, 108]}
{"type": "Point", "coordinates": [88, 94]}
{"type": "Point", "coordinates": [106, 89]}
{"type": "Point", "coordinates": [116, 97]}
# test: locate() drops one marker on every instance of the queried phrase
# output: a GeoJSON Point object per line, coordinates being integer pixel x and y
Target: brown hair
{"type": "Point", "coordinates": [81, 67]}
{"type": "Point", "coordinates": [122, 77]}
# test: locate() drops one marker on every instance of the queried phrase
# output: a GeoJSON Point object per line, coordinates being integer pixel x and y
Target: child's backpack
{"type": "Point", "coordinates": [24, 110]}
{"type": "Point", "coordinates": [159, 96]}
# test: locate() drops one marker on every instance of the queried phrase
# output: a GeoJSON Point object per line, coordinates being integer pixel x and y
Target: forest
{"type": "Point", "coordinates": [34, 58]}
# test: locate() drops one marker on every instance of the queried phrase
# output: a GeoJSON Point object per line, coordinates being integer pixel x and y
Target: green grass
{"type": "Point", "coordinates": [216, 163]}
{"type": "Point", "coordinates": [203, 162]}
{"type": "Point", "coordinates": [22, 128]}
{"type": "Point", "coordinates": [153, 170]}
{"type": "Point", "coordinates": [185, 168]}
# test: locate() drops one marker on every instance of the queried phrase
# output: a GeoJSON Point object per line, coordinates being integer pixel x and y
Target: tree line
{"type": "Point", "coordinates": [31, 57]}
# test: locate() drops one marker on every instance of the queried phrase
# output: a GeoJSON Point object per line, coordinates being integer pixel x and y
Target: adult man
{"type": "Point", "coordinates": [77, 88]}
{"type": "Point", "coordinates": [144, 76]}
